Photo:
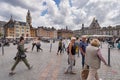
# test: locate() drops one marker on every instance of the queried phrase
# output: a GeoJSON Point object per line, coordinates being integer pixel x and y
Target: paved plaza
{"type": "Point", "coordinates": [49, 66]}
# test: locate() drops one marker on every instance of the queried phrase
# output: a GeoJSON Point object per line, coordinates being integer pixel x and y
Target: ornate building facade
{"type": "Point", "coordinates": [15, 29]}
{"type": "Point", "coordinates": [96, 29]}
{"type": "Point", "coordinates": [29, 18]}
{"type": "Point", "coordinates": [29, 21]}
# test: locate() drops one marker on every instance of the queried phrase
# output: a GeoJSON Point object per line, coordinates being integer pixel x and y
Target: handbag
{"type": "Point", "coordinates": [85, 72]}
{"type": "Point", "coordinates": [23, 55]}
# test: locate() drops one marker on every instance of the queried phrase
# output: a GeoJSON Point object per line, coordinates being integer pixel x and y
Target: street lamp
{"type": "Point", "coordinates": [109, 50]}
{"type": "Point", "coordinates": [3, 40]}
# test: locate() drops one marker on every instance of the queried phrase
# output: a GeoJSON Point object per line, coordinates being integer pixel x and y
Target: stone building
{"type": "Point", "coordinates": [33, 31]}
{"type": "Point", "coordinates": [2, 23]}
{"type": "Point", "coordinates": [45, 32]}
{"type": "Point", "coordinates": [64, 33]}
{"type": "Point", "coordinates": [95, 29]}
{"type": "Point", "coordinates": [15, 29]}
{"type": "Point", "coordinates": [29, 21]}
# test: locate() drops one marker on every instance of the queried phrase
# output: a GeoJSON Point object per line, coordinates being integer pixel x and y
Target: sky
{"type": "Point", "coordinates": [62, 13]}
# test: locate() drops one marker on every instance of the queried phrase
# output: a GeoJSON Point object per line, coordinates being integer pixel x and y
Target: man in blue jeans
{"type": "Point", "coordinates": [82, 46]}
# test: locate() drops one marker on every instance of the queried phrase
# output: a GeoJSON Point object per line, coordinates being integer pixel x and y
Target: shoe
{"type": "Point", "coordinates": [66, 72]}
{"type": "Point", "coordinates": [30, 67]}
{"type": "Point", "coordinates": [11, 73]}
{"type": "Point", "coordinates": [72, 73]}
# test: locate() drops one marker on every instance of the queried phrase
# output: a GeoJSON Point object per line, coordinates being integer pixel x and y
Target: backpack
{"type": "Point", "coordinates": [77, 49]}
{"type": "Point", "coordinates": [67, 49]}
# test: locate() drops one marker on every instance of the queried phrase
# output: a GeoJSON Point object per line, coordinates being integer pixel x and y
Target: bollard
{"type": "Point", "coordinates": [2, 49]}
{"type": "Point", "coordinates": [109, 55]}
{"type": "Point", "coordinates": [101, 44]}
{"type": "Point", "coordinates": [50, 47]}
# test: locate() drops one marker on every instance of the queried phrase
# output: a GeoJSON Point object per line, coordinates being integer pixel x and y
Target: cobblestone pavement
{"type": "Point", "coordinates": [49, 66]}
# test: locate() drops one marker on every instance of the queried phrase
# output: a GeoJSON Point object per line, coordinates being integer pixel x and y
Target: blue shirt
{"type": "Point", "coordinates": [83, 45]}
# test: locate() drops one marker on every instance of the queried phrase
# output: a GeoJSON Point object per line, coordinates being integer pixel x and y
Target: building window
{"type": "Point", "coordinates": [17, 26]}
{"type": "Point", "coordinates": [27, 28]}
{"type": "Point", "coordinates": [17, 35]}
{"type": "Point", "coordinates": [118, 32]}
{"type": "Point", "coordinates": [22, 30]}
{"type": "Point", "coordinates": [17, 30]}
{"type": "Point", "coordinates": [48, 34]}
{"type": "Point", "coordinates": [22, 27]}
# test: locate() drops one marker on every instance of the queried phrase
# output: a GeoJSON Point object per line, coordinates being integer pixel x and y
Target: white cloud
{"type": "Point", "coordinates": [82, 11]}
{"type": "Point", "coordinates": [112, 14]}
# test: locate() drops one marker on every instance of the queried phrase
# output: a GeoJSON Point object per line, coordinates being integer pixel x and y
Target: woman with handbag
{"type": "Point", "coordinates": [21, 56]}
{"type": "Point", "coordinates": [93, 59]}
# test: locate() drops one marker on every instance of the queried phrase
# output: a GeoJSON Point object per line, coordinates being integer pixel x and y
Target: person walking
{"type": "Point", "coordinates": [77, 46]}
{"type": "Point", "coordinates": [93, 58]}
{"type": "Point", "coordinates": [33, 43]}
{"type": "Point", "coordinates": [82, 46]}
{"type": "Point", "coordinates": [21, 56]}
{"type": "Point", "coordinates": [38, 45]}
{"type": "Point", "coordinates": [59, 47]}
{"type": "Point", "coordinates": [63, 46]}
{"type": "Point", "coordinates": [71, 56]}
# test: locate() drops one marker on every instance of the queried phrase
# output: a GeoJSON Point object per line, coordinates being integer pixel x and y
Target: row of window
{"type": "Point", "coordinates": [17, 35]}
{"type": "Point", "coordinates": [22, 27]}
{"type": "Point", "coordinates": [103, 32]}
{"type": "Point", "coordinates": [22, 31]}
{"type": "Point", "coordinates": [17, 24]}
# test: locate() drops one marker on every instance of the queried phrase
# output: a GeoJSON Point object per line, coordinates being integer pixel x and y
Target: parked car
{"type": "Point", "coordinates": [45, 40]}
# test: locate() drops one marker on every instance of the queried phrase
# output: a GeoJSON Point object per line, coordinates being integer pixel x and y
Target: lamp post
{"type": "Point", "coordinates": [109, 55]}
{"type": "Point", "coordinates": [3, 40]}
{"type": "Point", "coordinates": [109, 51]}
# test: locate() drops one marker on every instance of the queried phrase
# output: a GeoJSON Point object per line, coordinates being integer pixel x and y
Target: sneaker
{"type": "Point", "coordinates": [72, 73]}
{"type": "Point", "coordinates": [66, 72]}
{"type": "Point", "coordinates": [30, 67]}
{"type": "Point", "coordinates": [11, 73]}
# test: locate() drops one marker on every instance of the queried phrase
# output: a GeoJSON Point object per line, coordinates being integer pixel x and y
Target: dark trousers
{"type": "Point", "coordinates": [39, 48]}
{"type": "Point", "coordinates": [83, 60]}
{"type": "Point", "coordinates": [33, 46]}
{"type": "Point", "coordinates": [18, 60]}
{"type": "Point", "coordinates": [59, 50]}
